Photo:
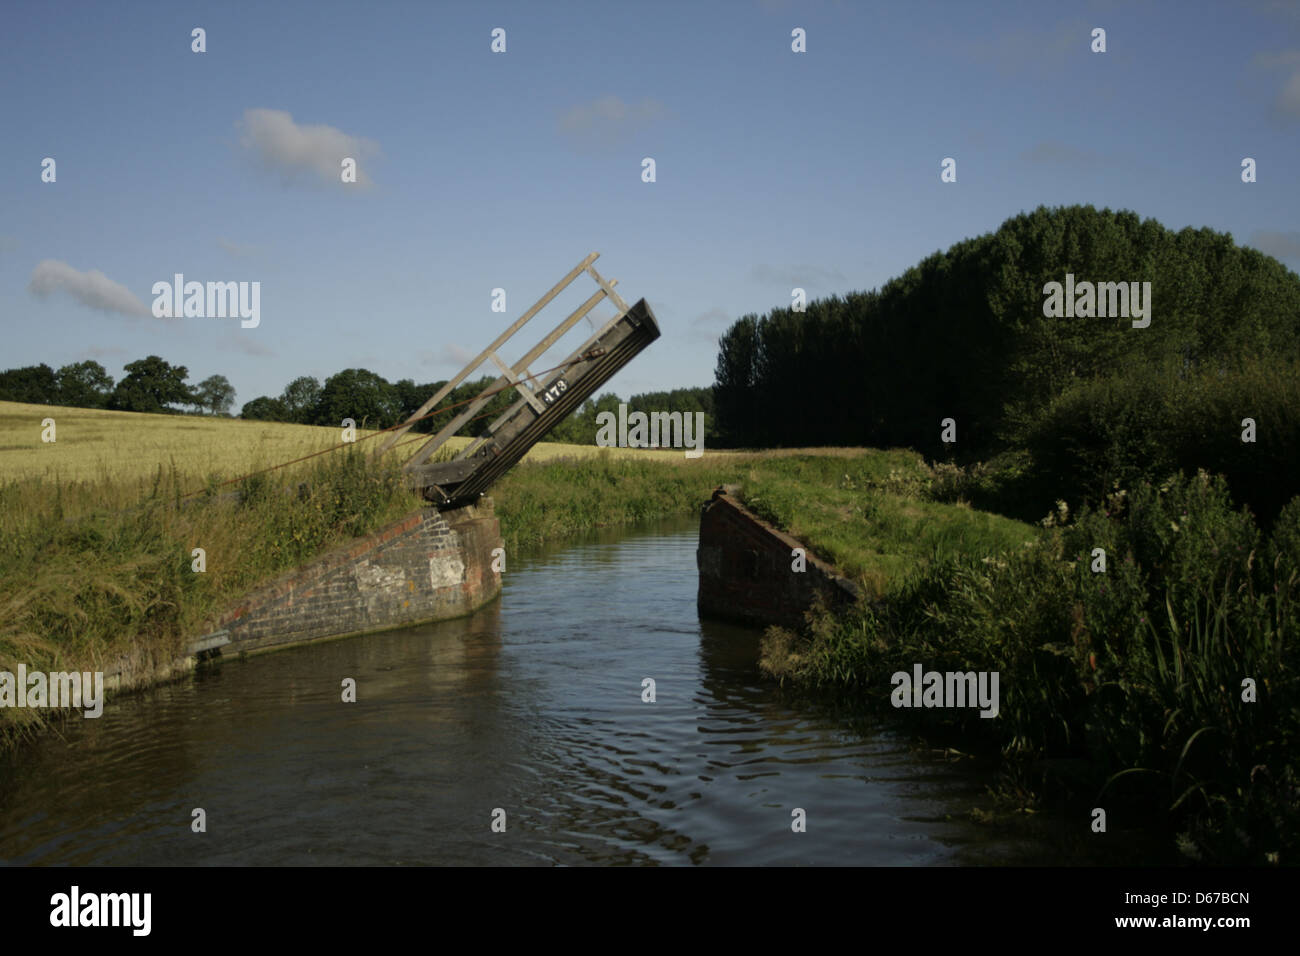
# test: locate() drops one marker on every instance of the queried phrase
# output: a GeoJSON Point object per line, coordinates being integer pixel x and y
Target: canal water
{"type": "Point", "coordinates": [530, 712]}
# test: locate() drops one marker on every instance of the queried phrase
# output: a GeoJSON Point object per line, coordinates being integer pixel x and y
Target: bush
{"type": "Point", "coordinates": [1137, 672]}
{"type": "Point", "coordinates": [1146, 424]}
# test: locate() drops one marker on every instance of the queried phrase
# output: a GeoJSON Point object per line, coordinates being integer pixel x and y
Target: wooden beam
{"type": "Point", "coordinates": [609, 290]}
{"type": "Point", "coordinates": [522, 389]}
{"type": "Point", "coordinates": [571, 359]}
{"type": "Point", "coordinates": [451, 428]}
{"type": "Point", "coordinates": [500, 340]}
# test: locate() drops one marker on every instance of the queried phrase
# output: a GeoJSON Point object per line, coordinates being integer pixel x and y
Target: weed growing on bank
{"type": "Point", "coordinates": [1169, 679]}
{"type": "Point", "coordinates": [81, 591]}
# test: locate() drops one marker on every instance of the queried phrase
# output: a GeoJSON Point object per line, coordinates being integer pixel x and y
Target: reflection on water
{"type": "Point", "coordinates": [533, 706]}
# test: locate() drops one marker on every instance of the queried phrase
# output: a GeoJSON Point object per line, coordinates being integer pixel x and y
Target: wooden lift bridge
{"type": "Point", "coordinates": [541, 405]}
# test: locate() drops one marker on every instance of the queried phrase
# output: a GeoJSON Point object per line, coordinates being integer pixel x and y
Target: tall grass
{"type": "Point", "coordinates": [869, 515]}
{"type": "Point", "coordinates": [1124, 685]}
{"type": "Point", "coordinates": [552, 499]}
{"type": "Point", "coordinates": [858, 506]}
{"type": "Point", "coordinates": [81, 590]}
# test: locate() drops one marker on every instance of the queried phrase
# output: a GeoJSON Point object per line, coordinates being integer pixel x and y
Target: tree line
{"type": "Point", "coordinates": [963, 334]}
{"type": "Point", "coordinates": [1077, 403]}
{"type": "Point", "coordinates": [154, 385]}
{"type": "Point", "coordinates": [150, 385]}
{"type": "Point", "coordinates": [371, 400]}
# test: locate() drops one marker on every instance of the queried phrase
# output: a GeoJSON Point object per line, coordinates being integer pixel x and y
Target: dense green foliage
{"type": "Point", "coordinates": [81, 385]}
{"type": "Point", "coordinates": [150, 385]}
{"type": "Point", "coordinates": [580, 427]}
{"type": "Point", "coordinates": [963, 335]}
{"type": "Point", "coordinates": [1128, 681]}
{"type": "Point", "coordinates": [214, 394]}
{"type": "Point", "coordinates": [1149, 424]}
{"type": "Point", "coordinates": [34, 384]}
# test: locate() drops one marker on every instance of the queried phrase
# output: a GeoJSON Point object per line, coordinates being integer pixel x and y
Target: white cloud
{"type": "Point", "coordinates": [1279, 245]}
{"type": "Point", "coordinates": [1288, 101]}
{"type": "Point", "coordinates": [708, 326]}
{"type": "Point", "coordinates": [607, 120]}
{"type": "Point", "coordinates": [1271, 61]}
{"type": "Point", "coordinates": [1033, 49]}
{"type": "Point", "coordinates": [1055, 153]}
{"type": "Point", "coordinates": [451, 355]}
{"type": "Point", "coordinates": [319, 150]}
{"type": "Point", "coordinates": [91, 288]}
{"type": "Point", "coordinates": [1286, 9]}
{"type": "Point", "coordinates": [1288, 98]}
{"type": "Point", "coordinates": [248, 344]}
{"type": "Point", "coordinates": [714, 316]}
{"type": "Point", "coordinates": [109, 351]}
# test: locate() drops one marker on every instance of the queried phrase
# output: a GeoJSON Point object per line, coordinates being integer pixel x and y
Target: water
{"type": "Point", "coordinates": [532, 706]}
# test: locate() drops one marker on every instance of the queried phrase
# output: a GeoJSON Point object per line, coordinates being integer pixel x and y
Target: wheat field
{"type": "Point", "coordinates": [94, 445]}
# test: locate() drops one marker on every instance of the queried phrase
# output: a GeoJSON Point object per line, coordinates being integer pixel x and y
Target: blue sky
{"type": "Point", "coordinates": [480, 170]}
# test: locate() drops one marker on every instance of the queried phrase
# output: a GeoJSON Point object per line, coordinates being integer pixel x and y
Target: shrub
{"type": "Point", "coordinates": [1148, 423]}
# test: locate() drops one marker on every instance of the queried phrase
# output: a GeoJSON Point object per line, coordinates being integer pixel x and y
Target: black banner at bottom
{"type": "Point", "coordinates": [333, 906]}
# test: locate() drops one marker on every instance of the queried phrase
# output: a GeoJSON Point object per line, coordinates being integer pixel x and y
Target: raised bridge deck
{"type": "Point", "coordinates": [544, 401]}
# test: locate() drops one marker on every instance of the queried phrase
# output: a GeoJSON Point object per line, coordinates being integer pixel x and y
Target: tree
{"type": "Point", "coordinates": [300, 397]}
{"type": "Point", "coordinates": [152, 385]}
{"type": "Point", "coordinates": [358, 394]}
{"type": "Point", "coordinates": [264, 409]}
{"type": "Point", "coordinates": [215, 394]}
{"type": "Point", "coordinates": [459, 400]}
{"type": "Point", "coordinates": [580, 427]}
{"type": "Point", "coordinates": [84, 385]}
{"type": "Point", "coordinates": [36, 384]}
{"type": "Point", "coordinates": [734, 383]}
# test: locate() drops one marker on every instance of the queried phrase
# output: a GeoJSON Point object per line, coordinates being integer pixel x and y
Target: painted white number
{"type": "Point", "coordinates": [555, 391]}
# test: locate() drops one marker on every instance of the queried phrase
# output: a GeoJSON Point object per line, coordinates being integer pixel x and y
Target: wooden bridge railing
{"type": "Point", "coordinates": [516, 374]}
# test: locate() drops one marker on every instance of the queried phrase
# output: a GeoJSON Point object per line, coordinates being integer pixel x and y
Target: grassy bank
{"type": "Point", "coordinates": [1163, 687]}
{"type": "Point", "coordinates": [97, 529]}
{"type": "Point", "coordinates": [871, 515]}
{"type": "Point", "coordinates": [552, 500]}
{"type": "Point", "coordinates": [82, 589]}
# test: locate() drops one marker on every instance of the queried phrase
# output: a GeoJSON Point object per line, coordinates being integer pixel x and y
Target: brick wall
{"type": "Point", "coordinates": [745, 569]}
{"type": "Point", "coordinates": [428, 566]}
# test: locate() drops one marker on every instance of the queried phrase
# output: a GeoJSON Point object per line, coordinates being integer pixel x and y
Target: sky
{"type": "Point", "coordinates": [480, 170]}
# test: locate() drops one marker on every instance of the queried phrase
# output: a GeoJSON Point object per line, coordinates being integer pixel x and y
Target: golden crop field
{"type": "Point", "coordinates": [125, 447]}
